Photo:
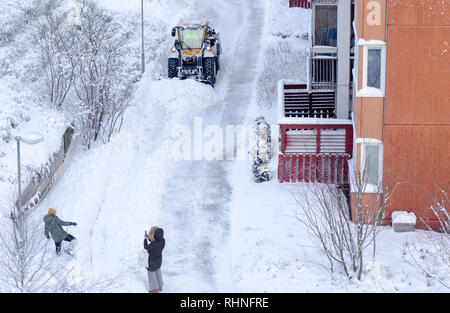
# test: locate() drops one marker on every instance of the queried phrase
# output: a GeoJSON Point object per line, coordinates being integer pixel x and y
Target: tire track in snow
{"type": "Point", "coordinates": [198, 251]}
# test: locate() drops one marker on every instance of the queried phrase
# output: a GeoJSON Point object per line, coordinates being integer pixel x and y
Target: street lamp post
{"type": "Point", "coordinates": [30, 139]}
{"type": "Point", "coordinates": [142, 24]}
{"type": "Point", "coordinates": [19, 183]}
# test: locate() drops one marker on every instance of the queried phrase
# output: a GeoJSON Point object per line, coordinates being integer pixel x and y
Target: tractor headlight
{"type": "Point", "coordinates": [209, 48]}
{"type": "Point", "coordinates": [173, 49]}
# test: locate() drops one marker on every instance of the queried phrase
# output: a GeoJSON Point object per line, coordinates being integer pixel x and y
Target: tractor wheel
{"type": "Point", "coordinates": [172, 70]}
{"type": "Point", "coordinates": [219, 49]}
{"type": "Point", "coordinates": [209, 70]}
{"type": "Point", "coordinates": [217, 64]}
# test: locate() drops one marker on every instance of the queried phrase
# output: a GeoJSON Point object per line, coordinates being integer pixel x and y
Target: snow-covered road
{"type": "Point", "coordinates": [198, 255]}
{"type": "Point", "coordinates": [117, 191]}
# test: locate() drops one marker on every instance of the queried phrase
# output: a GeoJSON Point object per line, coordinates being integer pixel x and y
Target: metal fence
{"type": "Point", "coordinates": [323, 72]}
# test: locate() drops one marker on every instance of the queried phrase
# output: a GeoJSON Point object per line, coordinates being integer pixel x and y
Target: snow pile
{"type": "Point", "coordinates": [178, 95]}
{"type": "Point", "coordinates": [402, 217]}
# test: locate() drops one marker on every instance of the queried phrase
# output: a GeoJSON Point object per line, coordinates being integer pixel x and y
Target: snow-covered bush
{"type": "Point", "coordinates": [261, 154]}
{"type": "Point", "coordinates": [281, 61]}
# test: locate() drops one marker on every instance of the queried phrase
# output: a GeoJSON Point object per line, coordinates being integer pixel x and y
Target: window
{"type": "Point", "coordinates": [374, 69]}
{"type": "Point", "coordinates": [371, 167]}
{"type": "Point", "coordinates": [325, 25]}
{"type": "Point", "coordinates": [371, 164]}
{"type": "Point", "coordinates": [192, 38]}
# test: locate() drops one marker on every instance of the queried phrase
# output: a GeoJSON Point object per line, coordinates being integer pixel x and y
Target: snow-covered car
{"type": "Point", "coordinates": [195, 53]}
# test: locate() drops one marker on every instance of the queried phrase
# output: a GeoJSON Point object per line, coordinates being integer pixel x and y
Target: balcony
{"type": "Point", "coordinates": [298, 100]}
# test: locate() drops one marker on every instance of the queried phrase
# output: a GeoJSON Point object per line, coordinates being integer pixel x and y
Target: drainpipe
{"type": "Point", "coordinates": [343, 62]}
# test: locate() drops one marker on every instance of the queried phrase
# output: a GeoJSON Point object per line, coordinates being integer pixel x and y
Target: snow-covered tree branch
{"type": "Point", "coordinates": [88, 58]}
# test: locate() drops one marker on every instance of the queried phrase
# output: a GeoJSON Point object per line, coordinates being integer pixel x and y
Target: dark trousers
{"type": "Point", "coordinates": [69, 238]}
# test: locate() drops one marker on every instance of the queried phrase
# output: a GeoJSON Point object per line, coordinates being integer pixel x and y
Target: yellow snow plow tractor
{"type": "Point", "coordinates": [195, 53]}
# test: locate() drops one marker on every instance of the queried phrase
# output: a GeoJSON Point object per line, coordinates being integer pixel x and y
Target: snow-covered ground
{"type": "Point", "coordinates": [223, 231]}
{"type": "Point", "coordinates": [272, 251]}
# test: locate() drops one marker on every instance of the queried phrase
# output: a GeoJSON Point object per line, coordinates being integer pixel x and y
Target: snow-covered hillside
{"type": "Point", "coordinates": [224, 232]}
{"type": "Point", "coordinates": [23, 107]}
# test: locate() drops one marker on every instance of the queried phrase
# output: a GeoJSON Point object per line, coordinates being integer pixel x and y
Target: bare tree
{"type": "Point", "coordinates": [56, 40]}
{"type": "Point", "coordinates": [104, 84]}
{"type": "Point", "coordinates": [324, 210]}
{"type": "Point", "coordinates": [25, 264]}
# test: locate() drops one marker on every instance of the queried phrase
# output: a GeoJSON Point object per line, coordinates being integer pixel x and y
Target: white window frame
{"type": "Point", "coordinates": [364, 142]}
{"type": "Point", "coordinates": [366, 91]}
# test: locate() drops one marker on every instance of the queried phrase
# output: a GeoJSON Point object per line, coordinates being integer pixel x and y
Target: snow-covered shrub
{"type": "Point", "coordinates": [261, 153]}
{"type": "Point", "coordinates": [281, 61]}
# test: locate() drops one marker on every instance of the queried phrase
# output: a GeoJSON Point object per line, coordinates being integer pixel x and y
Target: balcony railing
{"type": "Point", "coordinates": [323, 72]}
{"type": "Point", "coordinates": [318, 2]}
{"type": "Point", "coordinates": [296, 100]}
{"type": "Point", "coordinates": [315, 152]}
